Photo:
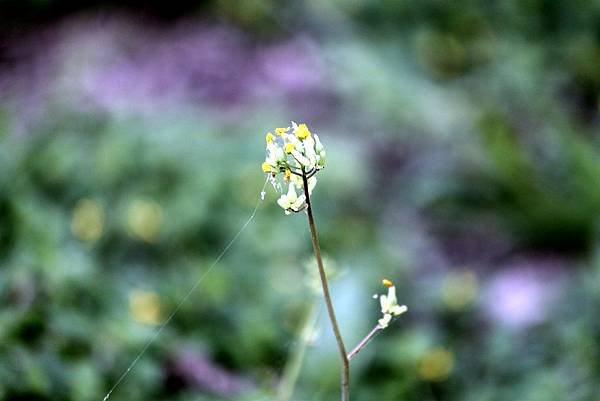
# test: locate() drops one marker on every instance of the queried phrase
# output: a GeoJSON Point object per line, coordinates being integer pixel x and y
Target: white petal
{"type": "Point", "coordinates": [318, 145]}
{"type": "Point", "coordinates": [284, 202]}
{"type": "Point", "coordinates": [385, 320]}
{"type": "Point", "coordinates": [397, 310]}
{"type": "Point", "coordinates": [271, 160]}
{"type": "Point", "coordinates": [297, 182]}
{"type": "Point", "coordinates": [312, 182]}
{"type": "Point", "coordinates": [299, 204]}
{"type": "Point", "coordinates": [297, 143]}
{"type": "Point", "coordinates": [302, 159]}
{"type": "Point", "coordinates": [311, 155]}
{"type": "Point", "coordinates": [384, 303]}
{"type": "Point", "coordinates": [291, 195]}
{"type": "Point", "coordinates": [279, 155]}
{"type": "Point", "coordinates": [309, 143]}
{"type": "Point", "coordinates": [392, 295]}
{"type": "Point", "coordinates": [322, 159]}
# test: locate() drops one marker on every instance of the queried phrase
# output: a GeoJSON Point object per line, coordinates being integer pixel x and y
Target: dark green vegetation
{"type": "Point", "coordinates": [464, 164]}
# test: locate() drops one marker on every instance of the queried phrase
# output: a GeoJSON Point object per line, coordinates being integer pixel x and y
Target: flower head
{"type": "Point", "coordinates": [389, 305]}
{"type": "Point", "coordinates": [293, 152]}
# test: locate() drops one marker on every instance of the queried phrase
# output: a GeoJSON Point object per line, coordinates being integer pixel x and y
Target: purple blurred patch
{"type": "Point", "coordinates": [293, 66]}
{"type": "Point", "coordinates": [187, 64]}
{"type": "Point", "coordinates": [192, 369]}
{"type": "Point", "coordinates": [522, 294]}
{"type": "Point", "coordinates": [113, 63]}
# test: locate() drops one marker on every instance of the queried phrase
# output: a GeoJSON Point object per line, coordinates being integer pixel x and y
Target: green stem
{"type": "Point", "coordinates": [292, 368]}
{"type": "Point", "coordinates": [345, 382]}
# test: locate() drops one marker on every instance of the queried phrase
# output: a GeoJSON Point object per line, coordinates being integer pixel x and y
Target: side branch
{"type": "Point", "coordinates": [363, 343]}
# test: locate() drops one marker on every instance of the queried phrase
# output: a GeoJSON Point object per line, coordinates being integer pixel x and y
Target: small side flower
{"type": "Point", "coordinates": [389, 305]}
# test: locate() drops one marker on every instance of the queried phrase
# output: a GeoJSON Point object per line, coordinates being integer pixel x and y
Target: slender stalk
{"type": "Point", "coordinates": [292, 368]}
{"type": "Point", "coordinates": [345, 382]}
{"type": "Point", "coordinates": [363, 343]}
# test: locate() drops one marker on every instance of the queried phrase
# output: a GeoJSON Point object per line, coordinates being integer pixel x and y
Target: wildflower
{"type": "Point", "coordinates": [294, 151]}
{"type": "Point", "coordinates": [389, 305]}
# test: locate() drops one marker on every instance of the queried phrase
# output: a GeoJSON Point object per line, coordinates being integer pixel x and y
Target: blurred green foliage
{"type": "Point", "coordinates": [446, 122]}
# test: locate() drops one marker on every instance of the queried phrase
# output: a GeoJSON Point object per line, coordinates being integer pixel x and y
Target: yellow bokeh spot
{"type": "Point", "coordinates": [144, 306]}
{"type": "Point", "coordinates": [87, 222]}
{"type": "Point", "coordinates": [289, 147]}
{"type": "Point", "coordinates": [269, 138]}
{"type": "Point", "coordinates": [144, 219]}
{"type": "Point", "coordinates": [302, 131]}
{"type": "Point", "coordinates": [436, 364]}
{"type": "Point", "coordinates": [460, 289]}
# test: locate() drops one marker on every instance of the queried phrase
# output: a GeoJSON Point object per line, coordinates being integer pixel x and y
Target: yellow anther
{"type": "Point", "coordinates": [288, 174]}
{"type": "Point", "coordinates": [289, 147]}
{"type": "Point", "coordinates": [302, 131]}
{"type": "Point", "coordinates": [269, 138]}
{"type": "Point", "coordinates": [387, 283]}
{"type": "Point", "coordinates": [281, 131]}
{"type": "Point", "coordinates": [266, 167]}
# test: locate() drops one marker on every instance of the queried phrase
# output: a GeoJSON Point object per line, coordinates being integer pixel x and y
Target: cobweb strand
{"type": "Point", "coordinates": [187, 295]}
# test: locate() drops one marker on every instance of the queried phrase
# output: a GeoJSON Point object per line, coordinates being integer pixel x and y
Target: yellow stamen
{"type": "Point", "coordinates": [269, 138]}
{"type": "Point", "coordinates": [387, 283]}
{"type": "Point", "coordinates": [281, 131]}
{"type": "Point", "coordinates": [289, 147]}
{"type": "Point", "coordinates": [266, 167]}
{"type": "Point", "coordinates": [302, 131]}
{"type": "Point", "coordinates": [288, 174]}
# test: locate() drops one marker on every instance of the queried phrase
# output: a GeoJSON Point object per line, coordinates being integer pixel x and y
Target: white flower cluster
{"type": "Point", "coordinates": [389, 305]}
{"type": "Point", "coordinates": [297, 154]}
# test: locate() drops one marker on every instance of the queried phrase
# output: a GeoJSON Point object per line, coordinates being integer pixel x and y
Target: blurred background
{"type": "Point", "coordinates": [464, 164]}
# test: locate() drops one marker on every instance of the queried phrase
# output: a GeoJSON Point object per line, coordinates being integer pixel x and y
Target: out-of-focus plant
{"type": "Point", "coordinates": [299, 155]}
